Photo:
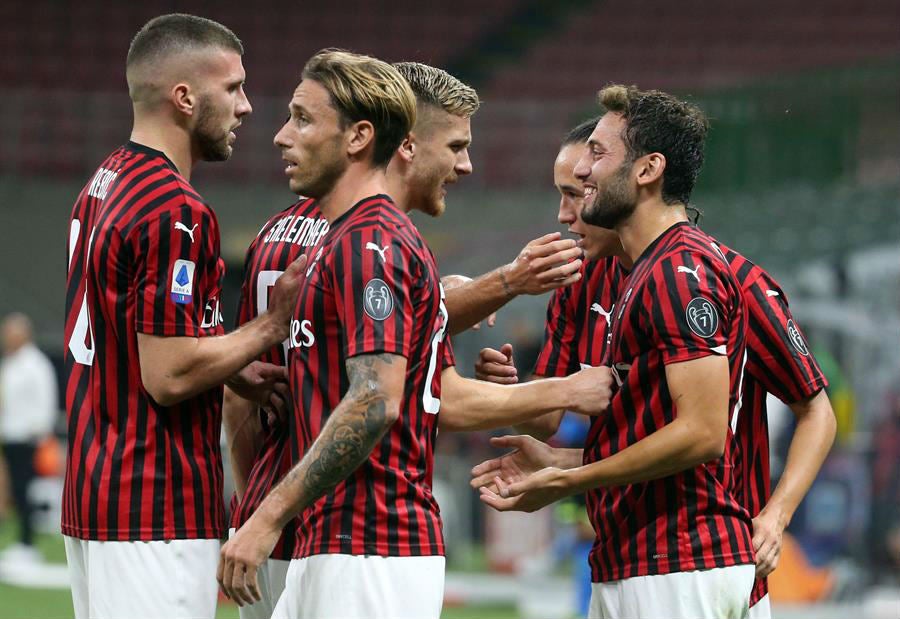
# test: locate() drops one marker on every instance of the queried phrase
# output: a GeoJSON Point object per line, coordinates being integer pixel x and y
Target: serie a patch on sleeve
{"type": "Point", "coordinates": [183, 282]}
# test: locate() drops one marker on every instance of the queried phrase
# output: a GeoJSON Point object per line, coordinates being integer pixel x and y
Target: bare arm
{"type": "Point", "coordinates": [243, 433]}
{"type": "Point", "coordinates": [699, 389]}
{"type": "Point", "coordinates": [543, 265]}
{"type": "Point", "coordinates": [468, 404]}
{"type": "Point", "coordinates": [369, 408]}
{"type": "Point", "coordinates": [812, 440]}
{"type": "Point", "coordinates": [496, 366]}
{"type": "Point", "coordinates": [174, 369]}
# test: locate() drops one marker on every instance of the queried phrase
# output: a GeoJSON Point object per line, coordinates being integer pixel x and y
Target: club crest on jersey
{"type": "Point", "coordinates": [797, 339]}
{"type": "Point", "coordinates": [702, 317]}
{"type": "Point", "coordinates": [182, 282]}
{"type": "Point", "coordinates": [378, 300]}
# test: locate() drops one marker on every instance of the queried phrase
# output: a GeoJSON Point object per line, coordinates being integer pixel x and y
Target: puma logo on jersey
{"type": "Point", "coordinates": [381, 250]}
{"type": "Point", "coordinates": [772, 293]}
{"type": "Point", "coordinates": [695, 272]}
{"type": "Point", "coordinates": [596, 307]}
{"type": "Point", "coordinates": [183, 228]}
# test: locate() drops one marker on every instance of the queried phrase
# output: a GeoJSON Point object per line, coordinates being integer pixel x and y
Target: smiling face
{"type": "Point", "coordinates": [222, 104]}
{"type": "Point", "coordinates": [596, 242]}
{"type": "Point", "coordinates": [441, 142]}
{"type": "Point", "coordinates": [313, 142]}
{"type": "Point", "coordinates": [610, 191]}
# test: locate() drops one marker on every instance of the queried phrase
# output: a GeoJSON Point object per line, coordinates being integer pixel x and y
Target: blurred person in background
{"type": "Point", "coordinates": [28, 410]}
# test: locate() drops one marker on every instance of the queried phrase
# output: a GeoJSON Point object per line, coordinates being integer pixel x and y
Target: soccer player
{"type": "Point", "coordinates": [671, 538]}
{"type": "Point", "coordinates": [778, 362]}
{"type": "Point", "coordinates": [373, 316]}
{"type": "Point", "coordinates": [260, 451]}
{"type": "Point", "coordinates": [146, 358]}
{"type": "Point", "coordinates": [578, 314]}
{"type": "Point", "coordinates": [259, 446]}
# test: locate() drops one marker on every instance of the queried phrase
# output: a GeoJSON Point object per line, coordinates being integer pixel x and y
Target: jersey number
{"type": "Point", "coordinates": [264, 281]}
{"type": "Point", "coordinates": [432, 404]}
{"type": "Point", "coordinates": [78, 344]}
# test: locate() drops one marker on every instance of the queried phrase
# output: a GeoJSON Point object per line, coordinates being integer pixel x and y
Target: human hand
{"type": "Point", "coordinates": [241, 557]}
{"type": "Point", "coordinates": [544, 264]}
{"type": "Point", "coordinates": [496, 366]}
{"type": "Point", "coordinates": [590, 390]}
{"type": "Point", "coordinates": [528, 456]}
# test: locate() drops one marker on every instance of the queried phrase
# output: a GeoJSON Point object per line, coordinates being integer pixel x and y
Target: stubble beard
{"type": "Point", "coordinates": [613, 203]}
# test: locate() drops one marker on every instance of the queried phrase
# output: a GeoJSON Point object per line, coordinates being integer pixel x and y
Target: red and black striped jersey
{"type": "Point", "coordinates": [681, 302]}
{"type": "Point", "coordinates": [283, 238]}
{"type": "Point", "coordinates": [578, 317]}
{"type": "Point", "coordinates": [143, 258]}
{"type": "Point", "coordinates": [778, 362]}
{"type": "Point", "coordinates": [372, 287]}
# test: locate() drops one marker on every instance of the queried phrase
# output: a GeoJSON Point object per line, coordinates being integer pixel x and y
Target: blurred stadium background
{"type": "Point", "coordinates": [802, 175]}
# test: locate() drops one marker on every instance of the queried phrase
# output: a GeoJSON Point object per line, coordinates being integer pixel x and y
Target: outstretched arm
{"type": "Point", "coordinates": [468, 404]}
{"type": "Point", "coordinates": [699, 389]}
{"type": "Point", "coordinates": [354, 428]}
{"type": "Point", "coordinates": [174, 369]}
{"type": "Point", "coordinates": [496, 366]}
{"type": "Point", "coordinates": [543, 265]}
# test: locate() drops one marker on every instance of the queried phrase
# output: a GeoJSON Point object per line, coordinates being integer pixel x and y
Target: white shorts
{"type": "Point", "coordinates": [762, 609]}
{"type": "Point", "coordinates": [270, 577]}
{"type": "Point", "coordinates": [175, 578]}
{"type": "Point", "coordinates": [719, 593]}
{"type": "Point", "coordinates": [363, 587]}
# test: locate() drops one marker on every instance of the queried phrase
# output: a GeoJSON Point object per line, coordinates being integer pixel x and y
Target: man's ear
{"type": "Point", "coordinates": [184, 98]}
{"type": "Point", "coordinates": [650, 169]}
{"type": "Point", "coordinates": [407, 148]}
{"type": "Point", "coordinates": [362, 135]}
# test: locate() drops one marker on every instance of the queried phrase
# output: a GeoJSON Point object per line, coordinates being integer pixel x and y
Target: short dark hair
{"type": "Point", "coordinates": [657, 122]}
{"type": "Point", "coordinates": [581, 132]}
{"type": "Point", "coordinates": [177, 32]}
{"type": "Point", "coordinates": [365, 88]}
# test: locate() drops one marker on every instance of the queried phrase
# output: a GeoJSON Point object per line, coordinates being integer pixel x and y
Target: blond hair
{"type": "Point", "coordinates": [438, 88]}
{"type": "Point", "coordinates": [365, 88]}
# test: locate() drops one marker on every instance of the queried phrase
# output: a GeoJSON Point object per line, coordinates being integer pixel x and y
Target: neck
{"type": "Point", "coordinates": [397, 187]}
{"type": "Point", "coordinates": [358, 182]}
{"type": "Point", "coordinates": [650, 219]}
{"type": "Point", "coordinates": [624, 259]}
{"type": "Point", "coordinates": [166, 137]}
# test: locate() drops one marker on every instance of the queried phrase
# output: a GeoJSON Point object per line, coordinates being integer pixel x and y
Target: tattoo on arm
{"type": "Point", "coordinates": [506, 289]}
{"type": "Point", "coordinates": [349, 435]}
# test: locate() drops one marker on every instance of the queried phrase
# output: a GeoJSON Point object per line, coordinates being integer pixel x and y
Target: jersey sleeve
{"type": "Point", "coordinates": [448, 358]}
{"type": "Point", "coordinates": [179, 270]}
{"type": "Point", "coordinates": [691, 307]}
{"type": "Point", "coordinates": [559, 355]}
{"type": "Point", "coordinates": [377, 278]}
{"type": "Point", "coordinates": [777, 353]}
